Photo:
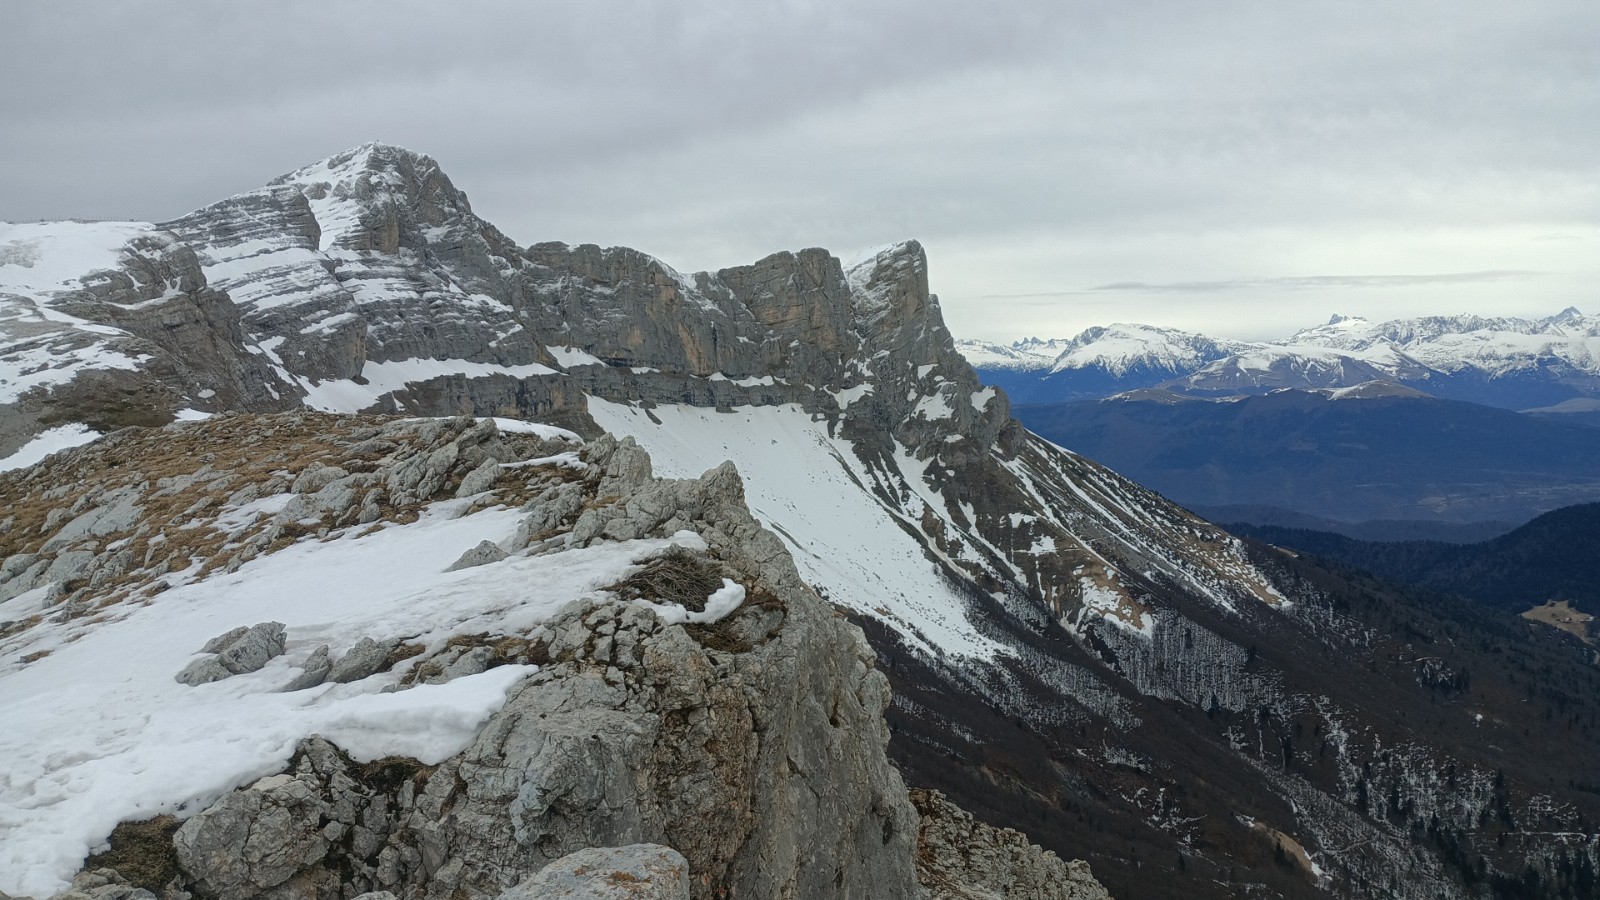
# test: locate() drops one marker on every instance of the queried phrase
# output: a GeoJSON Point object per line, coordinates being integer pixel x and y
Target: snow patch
{"type": "Point", "coordinates": [61, 437]}
{"type": "Point", "coordinates": [387, 377]}
{"type": "Point", "coordinates": [807, 488]}
{"type": "Point", "coordinates": [568, 357]}
{"type": "Point", "coordinates": [722, 601]}
{"type": "Point", "coordinates": [98, 731]}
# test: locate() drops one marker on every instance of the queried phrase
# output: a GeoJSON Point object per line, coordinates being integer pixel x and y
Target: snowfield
{"type": "Point", "coordinates": [835, 528]}
{"type": "Point", "coordinates": [97, 731]}
{"type": "Point", "coordinates": [61, 437]}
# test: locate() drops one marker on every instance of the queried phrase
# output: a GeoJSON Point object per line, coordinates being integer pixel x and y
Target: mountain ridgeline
{"type": "Point", "coordinates": [1554, 557]}
{"type": "Point", "coordinates": [1069, 654]}
{"type": "Point", "coordinates": [1412, 421]}
{"type": "Point", "coordinates": [1549, 365]}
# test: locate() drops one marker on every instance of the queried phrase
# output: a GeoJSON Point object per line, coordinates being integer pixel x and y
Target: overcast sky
{"type": "Point", "coordinates": [1241, 168]}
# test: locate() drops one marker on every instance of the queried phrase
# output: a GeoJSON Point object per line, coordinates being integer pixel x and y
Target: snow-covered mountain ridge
{"type": "Point", "coordinates": [1069, 653]}
{"type": "Point", "coordinates": [448, 610]}
{"type": "Point", "coordinates": [1516, 363]}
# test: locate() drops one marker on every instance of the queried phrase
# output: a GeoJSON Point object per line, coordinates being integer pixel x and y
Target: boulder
{"type": "Point", "coordinates": [314, 672]}
{"type": "Point", "coordinates": [241, 650]}
{"type": "Point", "coordinates": [485, 553]}
{"type": "Point", "coordinates": [634, 872]}
{"type": "Point", "coordinates": [367, 657]}
{"type": "Point", "coordinates": [254, 648]}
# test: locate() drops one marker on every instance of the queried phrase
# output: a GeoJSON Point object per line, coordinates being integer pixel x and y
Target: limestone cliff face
{"type": "Point", "coordinates": [371, 255]}
{"type": "Point", "coordinates": [373, 258]}
{"type": "Point", "coordinates": [127, 345]}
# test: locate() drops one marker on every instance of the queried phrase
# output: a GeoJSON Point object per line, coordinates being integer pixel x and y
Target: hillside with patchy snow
{"type": "Point", "coordinates": [1069, 653]}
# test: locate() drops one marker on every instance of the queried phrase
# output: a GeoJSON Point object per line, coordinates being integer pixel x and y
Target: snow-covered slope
{"type": "Point", "coordinates": [1052, 629]}
{"type": "Point", "coordinates": [41, 267]}
{"type": "Point", "coordinates": [1029, 354]}
{"type": "Point", "coordinates": [1121, 355]}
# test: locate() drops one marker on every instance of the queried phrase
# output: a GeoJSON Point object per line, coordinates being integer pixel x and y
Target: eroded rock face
{"type": "Point", "coordinates": [634, 872]}
{"type": "Point", "coordinates": [960, 858]}
{"type": "Point", "coordinates": [753, 747]}
{"type": "Point", "coordinates": [101, 884]}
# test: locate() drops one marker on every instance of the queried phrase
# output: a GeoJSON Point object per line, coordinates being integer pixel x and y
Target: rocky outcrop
{"type": "Point", "coordinates": [101, 884]}
{"type": "Point", "coordinates": [239, 651]}
{"type": "Point", "coordinates": [960, 858]}
{"type": "Point", "coordinates": [754, 747]}
{"type": "Point", "coordinates": [750, 742]}
{"type": "Point", "coordinates": [89, 523]}
{"type": "Point", "coordinates": [634, 872]}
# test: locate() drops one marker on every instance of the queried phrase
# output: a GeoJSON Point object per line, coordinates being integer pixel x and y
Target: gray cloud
{"type": "Point", "coordinates": [1030, 145]}
{"type": "Point", "coordinates": [1322, 281]}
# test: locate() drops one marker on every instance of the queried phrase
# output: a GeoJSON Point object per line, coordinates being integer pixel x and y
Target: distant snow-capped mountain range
{"type": "Point", "coordinates": [1550, 364]}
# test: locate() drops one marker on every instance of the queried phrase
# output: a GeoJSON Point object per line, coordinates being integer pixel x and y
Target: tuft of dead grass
{"type": "Point", "coordinates": [676, 576]}
{"type": "Point", "coordinates": [142, 852]}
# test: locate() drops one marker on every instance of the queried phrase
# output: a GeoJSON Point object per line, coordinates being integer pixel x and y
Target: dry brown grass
{"type": "Point", "coordinates": [676, 576]}
{"type": "Point", "coordinates": [141, 852]}
{"type": "Point", "coordinates": [727, 634]}
{"type": "Point", "coordinates": [1561, 614]}
{"type": "Point", "coordinates": [226, 453]}
{"type": "Point", "coordinates": [504, 650]}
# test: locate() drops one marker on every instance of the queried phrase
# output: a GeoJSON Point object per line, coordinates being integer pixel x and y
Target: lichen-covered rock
{"type": "Point", "coordinates": [960, 858]}
{"type": "Point", "coordinates": [238, 651]}
{"type": "Point", "coordinates": [367, 657]}
{"type": "Point", "coordinates": [313, 672]}
{"type": "Point", "coordinates": [485, 553]}
{"type": "Point", "coordinates": [101, 884]}
{"type": "Point", "coordinates": [634, 872]}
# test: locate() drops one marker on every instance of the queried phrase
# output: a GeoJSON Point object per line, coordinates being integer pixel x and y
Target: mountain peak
{"type": "Point", "coordinates": [882, 274]}
{"type": "Point", "coordinates": [371, 157]}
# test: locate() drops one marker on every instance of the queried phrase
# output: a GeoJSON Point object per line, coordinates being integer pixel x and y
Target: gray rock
{"type": "Point", "coordinates": [555, 510]}
{"type": "Point", "coordinates": [315, 477]}
{"type": "Point", "coordinates": [480, 479]}
{"type": "Point", "coordinates": [254, 648]}
{"type": "Point", "coordinates": [254, 839]}
{"type": "Point", "coordinates": [314, 672]}
{"type": "Point", "coordinates": [634, 872]}
{"type": "Point", "coordinates": [204, 670]}
{"type": "Point", "coordinates": [117, 511]}
{"type": "Point", "coordinates": [102, 884]}
{"type": "Point", "coordinates": [367, 657]}
{"type": "Point", "coordinates": [485, 553]}
{"type": "Point", "coordinates": [241, 650]}
{"type": "Point", "coordinates": [222, 641]}
{"type": "Point", "coordinates": [469, 663]}
{"type": "Point", "coordinates": [960, 858]}
{"type": "Point", "coordinates": [70, 565]}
